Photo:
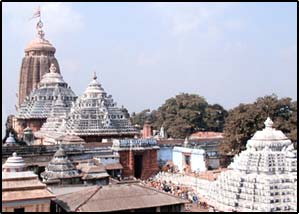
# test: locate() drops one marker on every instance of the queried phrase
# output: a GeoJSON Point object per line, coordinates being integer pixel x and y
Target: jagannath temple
{"type": "Point", "coordinates": [263, 178]}
{"type": "Point", "coordinates": [48, 106]}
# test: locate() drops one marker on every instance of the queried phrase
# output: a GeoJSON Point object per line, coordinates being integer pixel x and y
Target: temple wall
{"type": "Point", "coordinates": [34, 206]}
{"type": "Point", "coordinates": [177, 158]}
{"type": "Point", "coordinates": [198, 163]}
{"type": "Point", "coordinates": [149, 162]}
{"type": "Point", "coordinates": [197, 158]}
{"type": "Point", "coordinates": [109, 160]}
{"type": "Point", "coordinates": [127, 162]}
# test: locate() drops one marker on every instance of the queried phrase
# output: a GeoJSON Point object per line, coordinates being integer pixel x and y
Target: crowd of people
{"type": "Point", "coordinates": [181, 191]}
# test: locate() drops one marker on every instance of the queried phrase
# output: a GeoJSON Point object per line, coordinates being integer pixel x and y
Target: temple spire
{"type": "Point", "coordinates": [268, 123]}
{"type": "Point", "coordinates": [95, 75]}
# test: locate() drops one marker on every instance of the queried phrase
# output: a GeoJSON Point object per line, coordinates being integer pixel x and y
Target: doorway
{"type": "Point", "coordinates": [137, 166]}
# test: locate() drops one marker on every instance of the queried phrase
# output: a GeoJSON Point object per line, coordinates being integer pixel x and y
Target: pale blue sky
{"type": "Point", "coordinates": [144, 53]}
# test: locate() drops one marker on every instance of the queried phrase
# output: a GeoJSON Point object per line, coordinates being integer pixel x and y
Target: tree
{"type": "Point", "coordinates": [181, 115]}
{"type": "Point", "coordinates": [244, 120]}
{"type": "Point", "coordinates": [214, 117]}
{"type": "Point", "coordinates": [141, 117]}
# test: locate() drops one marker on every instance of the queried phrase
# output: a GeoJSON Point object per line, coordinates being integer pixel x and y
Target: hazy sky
{"type": "Point", "coordinates": [144, 53]}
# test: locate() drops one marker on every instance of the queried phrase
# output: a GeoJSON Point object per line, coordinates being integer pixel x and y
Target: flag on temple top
{"type": "Point", "coordinates": [36, 13]}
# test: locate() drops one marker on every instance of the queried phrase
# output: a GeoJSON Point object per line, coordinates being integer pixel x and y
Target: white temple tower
{"type": "Point", "coordinates": [263, 178]}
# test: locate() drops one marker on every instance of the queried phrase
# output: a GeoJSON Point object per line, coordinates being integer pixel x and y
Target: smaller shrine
{"type": "Point", "coordinates": [14, 164]}
{"type": "Point", "coordinates": [263, 178]}
{"type": "Point", "coordinates": [10, 141]}
{"type": "Point", "coordinates": [61, 170]}
{"type": "Point", "coordinates": [93, 173]}
{"type": "Point", "coordinates": [21, 189]}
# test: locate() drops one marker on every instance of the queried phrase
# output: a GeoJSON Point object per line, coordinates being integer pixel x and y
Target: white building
{"type": "Point", "coordinates": [189, 159]}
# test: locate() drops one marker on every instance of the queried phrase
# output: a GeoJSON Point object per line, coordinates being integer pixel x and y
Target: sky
{"type": "Point", "coordinates": [145, 53]}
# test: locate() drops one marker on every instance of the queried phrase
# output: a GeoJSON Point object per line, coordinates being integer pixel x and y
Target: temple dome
{"type": "Point", "coordinates": [10, 140]}
{"type": "Point", "coordinates": [51, 91]}
{"type": "Point", "coordinates": [268, 137]}
{"type": "Point", "coordinates": [94, 88]}
{"type": "Point", "coordinates": [39, 44]}
{"type": "Point", "coordinates": [262, 178]}
{"type": "Point", "coordinates": [14, 164]}
{"type": "Point", "coordinates": [52, 77]}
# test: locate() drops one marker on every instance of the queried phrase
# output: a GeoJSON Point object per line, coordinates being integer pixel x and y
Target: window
{"type": "Point", "coordinates": [19, 210]}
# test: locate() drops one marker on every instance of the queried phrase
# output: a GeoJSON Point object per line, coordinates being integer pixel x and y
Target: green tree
{"type": "Point", "coordinates": [244, 120]}
{"type": "Point", "coordinates": [181, 115]}
{"type": "Point", "coordinates": [140, 118]}
{"type": "Point", "coordinates": [214, 117]}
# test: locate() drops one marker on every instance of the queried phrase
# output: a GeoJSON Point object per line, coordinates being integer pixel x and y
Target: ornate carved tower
{"type": "Point", "coordinates": [39, 55]}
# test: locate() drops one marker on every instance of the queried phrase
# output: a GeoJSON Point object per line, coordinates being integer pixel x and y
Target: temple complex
{"type": "Point", "coordinates": [95, 116]}
{"type": "Point", "coordinates": [263, 178]}
{"type": "Point", "coordinates": [39, 55]}
{"type": "Point", "coordinates": [21, 189]}
{"type": "Point", "coordinates": [52, 95]}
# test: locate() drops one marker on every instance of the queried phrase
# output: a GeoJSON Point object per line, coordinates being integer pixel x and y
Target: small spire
{"type": "Point", "coordinates": [14, 154]}
{"type": "Point", "coordinates": [52, 68]}
{"type": "Point", "coordinates": [186, 142]}
{"type": "Point", "coordinates": [268, 123]}
{"type": "Point", "coordinates": [94, 75]}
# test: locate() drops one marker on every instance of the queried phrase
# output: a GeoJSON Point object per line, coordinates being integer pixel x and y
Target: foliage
{"type": "Point", "coordinates": [184, 114]}
{"type": "Point", "coordinates": [244, 120]}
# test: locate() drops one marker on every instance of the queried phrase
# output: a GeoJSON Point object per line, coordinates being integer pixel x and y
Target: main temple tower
{"type": "Point", "coordinates": [39, 55]}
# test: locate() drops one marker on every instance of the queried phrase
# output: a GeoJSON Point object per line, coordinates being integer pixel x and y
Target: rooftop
{"type": "Point", "coordinates": [116, 198]}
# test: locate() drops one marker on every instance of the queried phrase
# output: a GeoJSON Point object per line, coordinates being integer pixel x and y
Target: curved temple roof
{"type": "Point", "coordinates": [95, 113]}
{"type": "Point", "coordinates": [51, 90]}
{"type": "Point", "coordinates": [262, 178]}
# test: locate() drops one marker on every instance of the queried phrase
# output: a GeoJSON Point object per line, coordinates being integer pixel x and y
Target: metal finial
{"type": "Point", "coordinates": [94, 76]}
